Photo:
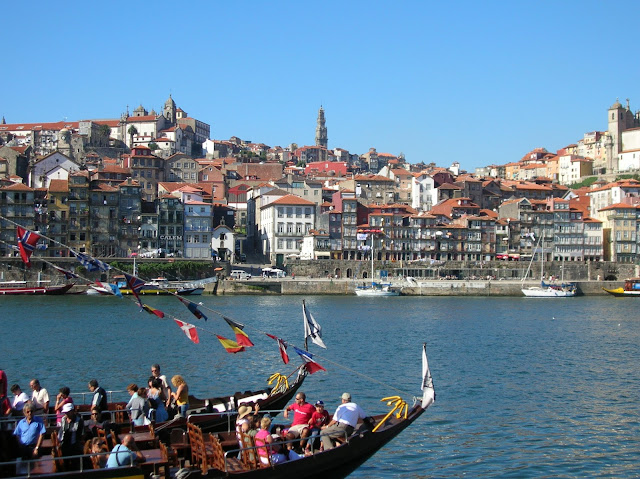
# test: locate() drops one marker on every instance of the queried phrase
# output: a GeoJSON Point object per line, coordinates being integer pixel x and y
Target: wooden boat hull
{"type": "Point", "coordinates": [50, 290]}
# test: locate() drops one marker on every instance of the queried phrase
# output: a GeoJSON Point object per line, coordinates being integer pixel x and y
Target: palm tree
{"type": "Point", "coordinates": [132, 132]}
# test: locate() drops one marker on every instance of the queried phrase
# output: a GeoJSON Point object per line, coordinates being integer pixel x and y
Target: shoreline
{"type": "Point", "coordinates": [315, 286]}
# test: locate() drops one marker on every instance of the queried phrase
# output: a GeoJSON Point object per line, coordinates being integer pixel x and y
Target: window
{"type": "Point", "coordinates": [289, 227]}
{"type": "Point", "coordinates": [280, 227]}
{"type": "Point", "coordinates": [280, 212]}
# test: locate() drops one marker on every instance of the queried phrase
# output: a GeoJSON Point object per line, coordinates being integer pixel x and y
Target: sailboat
{"type": "Point", "coordinates": [546, 290]}
{"type": "Point", "coordinates": [376, 289]}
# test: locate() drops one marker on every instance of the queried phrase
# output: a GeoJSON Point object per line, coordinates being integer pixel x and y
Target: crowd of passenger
{"type": "Point", "coordinates": [312, 428]}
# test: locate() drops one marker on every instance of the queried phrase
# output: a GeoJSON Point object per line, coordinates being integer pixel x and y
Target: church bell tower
{"type": "Point", "coordinates": [321, 130]}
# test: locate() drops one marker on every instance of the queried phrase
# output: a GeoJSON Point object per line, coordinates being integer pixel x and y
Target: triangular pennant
{"type": "Point", "coordinates": [189, 330]}
{"type": "Point", "coordinates": [310, 364]}
{"type": "Point", "coordinates": [151, 310]}
{"type": "Point", "coordinates": [241, 337]}
{"type": "Point", "coordinates": [27, 241]}
{"type": "Point", "coordinates": [193, 307]}
{"type": "Point", "coordinates": [230, 345]}
{"type": "Point", "coordinates": [283, 348]}
{"type": "Point", "coordinates": [311, 328]}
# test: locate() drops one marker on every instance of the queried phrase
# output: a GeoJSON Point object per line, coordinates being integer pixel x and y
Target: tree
{"type": "Point", "coordinates": [153, 146]}
{"type": "Point", "coordinates": [132, 132]}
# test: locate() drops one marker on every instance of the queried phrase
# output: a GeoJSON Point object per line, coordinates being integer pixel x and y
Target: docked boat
{"type": "Point", "coordinates": [22, 287]}
{"type": "Point", "coordinates": [376, 289]}
{"type": "Point", "coordinates": [546, 290]}
{"type": "Point", "coordinates": [631, 288]}
{"type": "Point", "coordinates": [160, 286]}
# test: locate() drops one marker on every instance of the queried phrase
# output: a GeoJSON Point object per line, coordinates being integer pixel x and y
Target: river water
{"type": "Point", "coordinates": [524, 387]}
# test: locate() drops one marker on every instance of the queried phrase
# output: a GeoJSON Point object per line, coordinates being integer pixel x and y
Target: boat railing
{"type": "Point", "coordinates": [230, 415]}
{"type": "Point", "coordinates": [31, 467]}
{"type": "Point", "coordinates": [110, 394]}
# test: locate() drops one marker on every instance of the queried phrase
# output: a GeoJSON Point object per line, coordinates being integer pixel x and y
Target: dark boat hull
{"type": "Point", "coordinates": [50, 290]}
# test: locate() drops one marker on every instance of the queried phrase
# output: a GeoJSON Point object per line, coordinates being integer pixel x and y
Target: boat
{"type": "Point", "coordinates": [21, 287]}
{"type": "Point", "coordinates": [159, 286]}
{"type": "Point", "coordinates": [546, 290]}
{"type": "Point", "coordinates": [376, 289]}
{"type": "Point", "coordinates": [631, 288]}
{"type": "Point", "coordinates": [340, 461]}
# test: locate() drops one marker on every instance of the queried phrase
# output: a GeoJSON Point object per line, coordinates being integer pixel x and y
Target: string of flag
{"type": "Point", "coordinates": [27, 241]}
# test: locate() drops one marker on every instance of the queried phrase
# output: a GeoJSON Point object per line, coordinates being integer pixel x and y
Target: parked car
{"type": "Point", "coordinates": [243, 258]}
{"type": "Point", "coordinates": [239, 274]}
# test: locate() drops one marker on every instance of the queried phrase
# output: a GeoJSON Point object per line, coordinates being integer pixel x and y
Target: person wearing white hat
{"type": "Point", "coordinates": [71, 433]}
{"type": "Point", "coordinates": [343, 423]}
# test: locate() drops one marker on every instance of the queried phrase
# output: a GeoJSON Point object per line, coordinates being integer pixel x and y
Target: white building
{"type": "Point", "coordinates": [283, 224]}
{"type": "Point", "coordinates": [424, 193]}
{"type": "Point", "coordinates": [55, 166]}
{"type": "Point", "coordinates": [222, 243]}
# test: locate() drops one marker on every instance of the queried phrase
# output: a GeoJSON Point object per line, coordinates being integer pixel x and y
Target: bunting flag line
{"type": "Point", "coordinates": [189, 330]}
{"type": "Point", "coordinates": [230, 345]}
{"type": "Point", "coordinates": [193, 307]}
{"type": "Point", "coordinates": [135, 285]}
{"type": "Point", "coordinates": [283, 348]}
{"type": "Point", "coordinates": [241, 337]}
{"type": "Point", "coordinates": [27, 241]}
{"type": "Point", "coordinates": [311, 328]}
{"type": "Point", "coordinates": [90, 263]}
{"type": "Point", "coordinates": [116, 291]}
{"type": "Point", "coordinates": [311, 365]}
{"type": "Point", "coordinates": [67, 274]}
{"type": "Point", "coordinates": [151, 310]}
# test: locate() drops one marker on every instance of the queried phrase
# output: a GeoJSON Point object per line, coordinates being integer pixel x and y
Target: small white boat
{"type": "Point", "coordinates": [377, 290]}
{"type": "Point", "coordinates": [548, 292]}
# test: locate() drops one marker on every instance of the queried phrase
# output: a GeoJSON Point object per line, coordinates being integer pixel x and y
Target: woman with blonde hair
{"type": "Point", "coordinates": [181, 394]}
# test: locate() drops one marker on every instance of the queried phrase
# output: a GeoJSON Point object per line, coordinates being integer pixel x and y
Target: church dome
{"type": "Point", "coordinates": [170, 102]}
{"type": "Point", "coordinates": [616, 105]}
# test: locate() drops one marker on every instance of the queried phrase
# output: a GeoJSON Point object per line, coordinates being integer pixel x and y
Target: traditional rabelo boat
{"type": "Point", "coordinates": [631, 288]}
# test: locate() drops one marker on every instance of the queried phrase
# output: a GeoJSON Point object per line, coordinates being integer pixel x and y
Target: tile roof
{"type": "Point", "coordinates": [292, 200]}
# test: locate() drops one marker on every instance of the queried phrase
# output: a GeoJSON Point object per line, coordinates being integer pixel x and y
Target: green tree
{"type": "Point", "coordinates": [153, 146]}
{"type": "Point", "coordinates": [133, 131]}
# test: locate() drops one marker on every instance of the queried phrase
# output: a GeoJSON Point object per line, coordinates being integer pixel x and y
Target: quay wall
{"type": "Point", "coordinates": [301, 286]}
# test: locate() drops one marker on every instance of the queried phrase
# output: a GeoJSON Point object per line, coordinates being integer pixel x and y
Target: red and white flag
{"type": "Point", "coordinates": [189, 330]}
{"type": "Point", "coordinates": [27, 241]}
{"type": "Point", "coordinates": [283, 348]}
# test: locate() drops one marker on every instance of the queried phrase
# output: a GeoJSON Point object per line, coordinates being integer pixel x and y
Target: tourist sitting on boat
{"type": "Point", "coordinates": [99, 398]}
{"type": "Point", "coordinates": [71, 434]}
{"type": "Point", "coordinates": [242, 423]}
{"type": "Point", "coordinates": [125, 454]}
{"type": "Point", "coordinates": [319, 418]}
{"type": "Point", "coordinates": [97, 445]}
{"type": "Point", "coordinates": [181, 395]}
{"type": "Point", "coordinates": [302, 412]}
{"type": "Point", "coordinates": [19, 399]}
{"type": "Point", "coordinates": [95, 422]}
{"type": "Point", "coordinates": [275, 449]}
{"type": "Point", "coordinates": [157, 411]}
{"type": "Point", "coordinates": [260, 441]}
{"type": "Point", "coordinates": [137, 406]}
{"type": "Point", "coordinates": [63, 398]}
{"type": "Point", "coordinates": [30, 432]}
{"type": "Point", "coordinates": [39, 398]}
{"type": "Point", "coordinates": [166, 389]}
{"type": "Point", "coordinates": [343, 423]}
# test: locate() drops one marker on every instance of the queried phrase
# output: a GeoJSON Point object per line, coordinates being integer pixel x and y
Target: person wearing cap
{"type": "Point", "coordinates": [30, 432]}
{"type": "Point", "coordinates": [71, 433]}
{"type": "Point", "coordinates": [302, 412]}
{"type": "Point", "coordinates": [319, 418]}
{"type": "Point", "coordinates": [343, 423]}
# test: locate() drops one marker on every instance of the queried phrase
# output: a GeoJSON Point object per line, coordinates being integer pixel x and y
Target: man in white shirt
{"type": "Point", "coordinates": [19, 398]}
{"type": "Point", "coordinates": [166, 389]}
{"type": "Point", "coordinates": [343, 423]}
{"type": "Point", "coordinates": [40, 399]}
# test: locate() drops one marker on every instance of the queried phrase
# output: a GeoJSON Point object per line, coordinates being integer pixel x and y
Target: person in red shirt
{"type": "Point", "coordinates": [319, 418]}
{"type": "Point", "coordinates": [302, 412]}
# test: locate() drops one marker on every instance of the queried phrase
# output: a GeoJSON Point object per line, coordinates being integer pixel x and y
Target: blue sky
{"type": "Point", "coordinates": [473, 82]}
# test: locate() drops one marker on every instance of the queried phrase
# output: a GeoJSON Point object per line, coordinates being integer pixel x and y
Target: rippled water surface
{"type": "Point", "coordinates": [525, 387]}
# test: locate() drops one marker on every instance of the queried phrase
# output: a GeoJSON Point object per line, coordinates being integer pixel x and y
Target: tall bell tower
{"type": "Point", "coordinates": [321, 130]}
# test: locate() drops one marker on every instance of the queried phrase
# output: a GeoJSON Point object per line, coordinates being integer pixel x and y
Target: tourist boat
{"type": "Point", "coordinates": [631, 288]}
{"type": "Point", "coordinates": [157, 286]}
{"type": "Point", "coordinates": [21, 287]}
{"type": "Point", "coordinates": [337, 462]}
{"type": "Point", "coordinates": [376, 289]}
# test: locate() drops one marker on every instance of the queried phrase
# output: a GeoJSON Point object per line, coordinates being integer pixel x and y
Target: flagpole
{"type": "Point", "coordinates": [304, 317]}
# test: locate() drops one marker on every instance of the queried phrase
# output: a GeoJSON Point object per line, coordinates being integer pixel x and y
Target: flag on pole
{"type": "Point", "coordinates": [283, 348]}
{"type": "Point", "coordinates": [311, 328]}
{"type": "Point", "coordinates": [27, 241]}
{"type": "Point", "coordinates": [428, 392]}
{"type": "Point", "coordinates": [193, 307]}
{"type": "Point", "coordinates": [241, 337]}
{"type": "Point", "coordinates": [151, 310]}
{"type": "Point", "coordinates": [90, 263]}
{"type": "Point", "coordinates": [135, 285]}
{"type": "Point", "coordinates": [67, 274]}
{"type": "Point", "coordinates": [310, 364]}
{"type": "Point", "coordinates": [230, 345]}
{"type": "Point", "coordinates": [189, 330]}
